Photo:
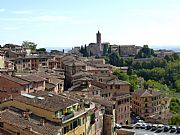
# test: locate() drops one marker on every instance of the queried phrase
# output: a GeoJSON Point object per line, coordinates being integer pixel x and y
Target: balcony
{"type": "Point", "coordinates": [67, 117]}
{"type": "Point", "coordinates": [75, 114]}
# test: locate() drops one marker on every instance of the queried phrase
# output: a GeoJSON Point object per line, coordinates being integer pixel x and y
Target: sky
{"type": "Point", "coordinates": [68, 23]}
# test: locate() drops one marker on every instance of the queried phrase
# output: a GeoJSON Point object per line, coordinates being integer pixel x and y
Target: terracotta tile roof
{"type": "Point", "coordinates": [84, 79]}
{"type": "Point", "coordinates": [16, 120]}
{"type": "Point", "coordinates": [81, 73]}
{"type": "Point", "coordinates": [54, 79]}
{"type": "Point", "coordinates": [51, 103]}
{"type": "Point", "coordinates": [116, 81]}
{"type": "Point", "coordinates": [15, 79]}
{"type": "Point", "coordinates": [32, 78]}
{"type": "Point", "coordinates": [147, 93]}
{"type": "Point", "coordinates": [74, 63]}
{"type": "Point", "coordinates": [50, 86]}
{"type": "Point", "coordinates": [103, 101]}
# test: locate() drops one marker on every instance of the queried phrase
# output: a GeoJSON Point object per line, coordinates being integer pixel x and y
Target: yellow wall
{"type": "Point", "coordinates": [79, 130]}
{"type": "Point", "coordinates": [38, 111]}
{"type": "Point", "coordinates": [2, 61]}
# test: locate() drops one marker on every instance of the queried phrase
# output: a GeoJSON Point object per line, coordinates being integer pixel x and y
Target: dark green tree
{"type": "Point", "coordinates": [30, 45]}
{"type": "Point", "coordinates": [41, 50]}
{"type": "Point", "coordinates": [120, 74]}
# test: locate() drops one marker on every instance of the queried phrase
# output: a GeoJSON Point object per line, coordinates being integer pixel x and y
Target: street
{"type": "Point", "coordinates": [149, 132]}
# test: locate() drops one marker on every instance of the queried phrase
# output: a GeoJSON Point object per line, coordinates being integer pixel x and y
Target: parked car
{"type": "Point", "coordinates": [154, 127]}
{"type": "Point", "coordinates": [166, 128]}
{"type": "Point", "coordinates": [149, 126]}
{"type": "Point", "coordinates": [138, 125]}
{"type": "Point", "coordinates": [178, 129]}
{"type": "Point", "coordinates": [137, 117]}
{"type": "Point", "coordinates": [118, 126]}
{"type": "Point", "coordinates": [160, 128]}
{"type": "Point", "coordinates": [173, 129]}
{"type": "Point", "coordinates": [143, 126]}
{"type": "Point", "coordinates": [140, 121]}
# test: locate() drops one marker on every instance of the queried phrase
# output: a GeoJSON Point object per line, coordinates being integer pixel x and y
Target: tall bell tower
{"type": "Point", "coordinates": [98, 37]}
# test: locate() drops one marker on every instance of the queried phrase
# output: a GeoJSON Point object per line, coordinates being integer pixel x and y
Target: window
{"type": "Point", "coordinates": [1, 124]}
{"type": "Point", "coordinates": [71, 126]}
{"type": "Point", "coordinates": [145, 99]}
{"type": "Point", "coordinates": [65, 130]}
{"type": "Point", "coordinates": [79, 122]}
{"type": "Point", "coordinates": [82, 121]}
{"type": "Point", "coordinates": [75, 124]}
{"type": "Point", "coordinates": [111, 86]}
{"type": "Point", "coordinates": [145, 105]}
{"type": "Point", "coordinates": [119, 102]}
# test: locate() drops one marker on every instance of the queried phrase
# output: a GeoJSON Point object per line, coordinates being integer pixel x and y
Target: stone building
{"type": "Point", "coordinates": [151, 105]}
{"type": "Point", "coordinates": [2, 61]}
{"type": "Point", "coordinates": [43, 113]}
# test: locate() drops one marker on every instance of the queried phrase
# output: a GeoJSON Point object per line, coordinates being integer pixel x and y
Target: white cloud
{"type": "Point", "coordinates": [22, 12]}
{"type": "Point", "coordinates": [14, 19]}
{"type": "Point", "coordinates": [2, 10]}
{"type": "Point", "coordinates": [10, 28]}
{"type": "Point", "coordinates": [48, 18]}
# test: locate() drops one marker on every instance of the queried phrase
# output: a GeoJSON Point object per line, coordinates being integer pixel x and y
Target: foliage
{"type": "Point", "coordinates": [177, 85]}
{"type": "Point", "coordinates": [145, 52]}
{"type": "Point", "coordinates": [132, 79]}
{"type": "Point", "coordinates": [155, 85]}
{"type": "Point", "coordinates": [121, 75]}
{"type": "Point", "coordinates": [175, 105]}
{"type": "Point", "coordinates": [175, 120]}
{"type": "Point", "coordinates": [150, 65]}
{"type": "Point", "coordinates": [31, 45]}
{"type": "Point", "coordinates": [156, 74]}
{"type": "Point", "coordinates": [175, 108]}
{"type": "Point", "coordinates": [84, 51]}
{"type": "Point", "coordinates": [105, 50]}
{"type": "Point", "coordinates": [116, 60]}
{"type": "Point", "coordinates": [109, 50]}
{"type": "Point", "coordinates": [41, 50]}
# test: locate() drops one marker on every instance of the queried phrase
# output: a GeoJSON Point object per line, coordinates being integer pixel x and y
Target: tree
{"type": "Point", "coordinates": [156, 85]}
{"type": "Point", "coordinates": [175, 120]}
{"type": "Point", "coordinates": [176, 56]}
{"type": "Point", "coordinates": [114, 59]}
{"type": "Point", "coordinates": [109, 49]}
{"type": "Point", "coordinates": [120, 74]}
{"type": "Point", "coordinates": [177, 85]}
{"type": "Point", "coordinates": [41, 50]}
{"type": "Point", "coordinates": [30, 45]}
{"type": "Point", "coordinates": [83, 51]}
{"type": "Point", "coordinates": [145, 52]}
{"type": "Point", "coordinates": [133, 80]}
{"type": "Point", "coordinates": [105, 50]}
{"type": "Point", "coordinates": [168, 58]}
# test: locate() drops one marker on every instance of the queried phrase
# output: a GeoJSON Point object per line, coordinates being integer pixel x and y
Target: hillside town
{"type": "Point", "coordinates": [64, 93]}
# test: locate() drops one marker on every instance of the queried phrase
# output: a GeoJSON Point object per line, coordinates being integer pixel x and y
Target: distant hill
{"type": "Point", "coordinates": [66, 49]}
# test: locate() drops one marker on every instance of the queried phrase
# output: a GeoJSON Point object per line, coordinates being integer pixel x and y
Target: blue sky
{"type": "Point", "coordinates": [67, 23]}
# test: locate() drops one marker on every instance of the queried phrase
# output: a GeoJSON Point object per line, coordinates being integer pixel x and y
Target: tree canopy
{"type": "Point", "coordinates": [145, 52]}
{"type": "Point", "coordinates": [30, 45]}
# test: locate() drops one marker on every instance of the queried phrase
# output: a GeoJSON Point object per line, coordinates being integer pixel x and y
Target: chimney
{"type": "Point", "coordinates": [26, 115]}
{"type": "Point", "coordinates": [29, 127]}
{"type": "Point", "coordinates": [42, 121]}
{"type": "Point", "coordinates": [150, 91]}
